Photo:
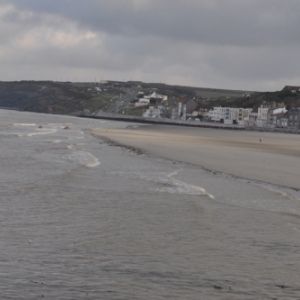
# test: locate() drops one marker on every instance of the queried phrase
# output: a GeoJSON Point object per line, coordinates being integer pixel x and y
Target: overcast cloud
{"type": "Point", "coordinates": [234, 44]}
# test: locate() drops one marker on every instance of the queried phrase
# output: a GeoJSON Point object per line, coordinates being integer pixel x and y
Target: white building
{"type": "Point", "coordinates": [240, 116]}
{"type": "Point", "coordinates": [274, 114]}
{"type": "Point", "coordinates": [262, 116]}
{"type": "Point", "coordinates": [142, 102]}
{"type": "Point", "coordinates": [158, 96]}
{"type": "Point", "coordinates": [218, 113]}
{"type": "Point", "coordinates": [179, 113]}
{"type": "Point", "coordinates": [253, 119]}
{"type": "Point", "coordinates": [230, 115]}
{"type": "Point", "coordinates": [150, 99]}
{"type": "Point", "coordinates": [153, 112]}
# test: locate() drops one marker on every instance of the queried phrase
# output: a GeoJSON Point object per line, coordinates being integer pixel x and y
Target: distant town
{"type": "Point", "coordinates": [158, 102]}
{"type": "Point", "coordinates": [269, 114]}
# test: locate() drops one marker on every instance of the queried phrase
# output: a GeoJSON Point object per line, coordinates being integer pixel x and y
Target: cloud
{"type": "Point", "coordinates": [247, 44]}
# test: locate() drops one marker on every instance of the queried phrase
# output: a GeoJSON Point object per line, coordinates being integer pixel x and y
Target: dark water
{"type": "Point", "coordinates": [81, 219]}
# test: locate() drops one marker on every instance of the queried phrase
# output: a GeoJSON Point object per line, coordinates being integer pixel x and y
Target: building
{"type": "Point", "coordinates": [179, 113]}
{"type": "Point", "coordinates": [156, 98]}
{"type": "Point", "coordinates": [153, 112]}
{"type": "Point", "coordinates": [152, 99]}
{"type": "Point", "coordinates": [185, 108]}
{"type": "Point", "coordinates": [274, 114]}
{"type": "Point", "coordinates": [294, 118]}
{"type": "Point", "coordinates": [200, 112]}
{"type": "Point", "coordinates": [253, 118]}
{"type": "Point", "coordinates": [218, 114]}
{"type": "Point", "coordinates": [282, 120]}
{"type": "Point", "coordinates": [262, 114]}
{"type": "Point", "coordinates": [142, 102]}
{"type": "Point", "coordinates": [230, 115]}
{"type": "Point", "coordinates": [240, 116]}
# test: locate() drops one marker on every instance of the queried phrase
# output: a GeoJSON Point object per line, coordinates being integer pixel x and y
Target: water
{"type": "Point", "coordinates": [83, 219]}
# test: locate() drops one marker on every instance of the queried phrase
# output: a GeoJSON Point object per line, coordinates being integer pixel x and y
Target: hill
{"type": "Point", "coordinates": [72, 98]}
{"type": "Point", "coordinates": [52, 97]}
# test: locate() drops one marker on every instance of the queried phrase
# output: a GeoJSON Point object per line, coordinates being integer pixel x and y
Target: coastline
{"type": "Point", "coordinates": [180, 123]}
{"type": "Point", "coordinates": [275, 160]}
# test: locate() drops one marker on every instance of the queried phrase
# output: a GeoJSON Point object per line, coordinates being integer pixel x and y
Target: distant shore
{"type": "Point", "coordinates": [192, 123]}
{"type": "Point", "coordinates": [262, 156]}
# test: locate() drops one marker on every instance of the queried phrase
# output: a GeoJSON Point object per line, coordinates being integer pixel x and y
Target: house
{"type": "Point", "coordinates": [273, 114]}
{"type": "Point", "coordinates": [152, 99]}
{"type": "Point", "coordinates": [294, 118]}
{"type": "Point", "coordinates": [218, 114]}
{"type": "Point", "coordinates": [253, 118]}
{"type": "Point", "coordinates": [262, 114]}
{"type": "Point", "coordinates": [153, 112]}
{"type": "Point", "coordinates": [247, 95]}
{"type": "Point", "coordinates": [142, 102]}
{"type": "Point", "coordinates": [230, 115]}
{"type": "Point", "coordinates": [200, 112]}
{"type": "Point", "coordinates": [282, 120]}
{"type": "Point", "coordinates": [240, 115]}
{"type": "Point", "coordinates": [156, 98]}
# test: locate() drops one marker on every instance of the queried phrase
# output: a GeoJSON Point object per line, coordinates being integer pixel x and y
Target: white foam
{"type": "Point", "coordinates": [24, 124]}
{"type": "Point", "coordinates": [76, 138]}
{"type": "Point", "coordinates": [188, 186]}
{"type": "Point", "coordinates": [171, 185]}
{"type": "Point", "coordinates": [40, 132]}
{"type": "Point", "coordinates": [84, 158]}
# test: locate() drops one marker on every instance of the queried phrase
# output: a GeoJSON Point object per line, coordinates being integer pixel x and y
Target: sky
{"type": "Point", "coordinates": [231, 44]}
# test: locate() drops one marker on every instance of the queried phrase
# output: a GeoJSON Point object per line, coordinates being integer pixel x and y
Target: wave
{"type": "Point", "coordinates": [84, 158]}
{"type": "Point", "coordinates": [41, 132]}
{"type": "Point", "coordinates": [179, 183]}
{"type": "Point", "coordinates": [278, 190]}
{"type": "Point", "coordinates": [24, 124]}
{"type": "Point", "coordinates": [170, 184]}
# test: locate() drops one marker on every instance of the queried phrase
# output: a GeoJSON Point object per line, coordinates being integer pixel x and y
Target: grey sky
{"type": "Point", "coordinates": [235, 44]}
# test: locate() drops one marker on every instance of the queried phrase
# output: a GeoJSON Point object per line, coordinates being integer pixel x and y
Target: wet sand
{"type": "Point", "coordinates": [275, 159]}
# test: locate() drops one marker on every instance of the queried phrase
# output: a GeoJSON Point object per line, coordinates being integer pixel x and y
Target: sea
{"type": "Point", "coordinates": [84, 218]}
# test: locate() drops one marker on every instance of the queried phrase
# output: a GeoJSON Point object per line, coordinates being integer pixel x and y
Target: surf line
{"type": "Point", "coordinates": [187, 185]}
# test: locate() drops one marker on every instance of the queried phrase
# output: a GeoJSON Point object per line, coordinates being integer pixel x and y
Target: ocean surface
{"type": "Point", "coordinates": [82, 218]}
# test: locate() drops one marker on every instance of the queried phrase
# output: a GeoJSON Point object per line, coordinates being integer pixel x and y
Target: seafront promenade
{"type": "Point", "coordinates": [160, 121]}
{"type": "Point", "coordinates": [164, 121]}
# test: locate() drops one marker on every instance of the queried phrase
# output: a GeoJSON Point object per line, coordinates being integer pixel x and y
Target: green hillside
{"type": "Point", "coordinates": [53, 97]}
{"type": "Point", "coordinates": [72, 98]}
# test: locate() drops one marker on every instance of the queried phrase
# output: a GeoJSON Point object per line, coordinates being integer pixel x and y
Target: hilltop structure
{"type": "Point", "coordinates": [152, 99]}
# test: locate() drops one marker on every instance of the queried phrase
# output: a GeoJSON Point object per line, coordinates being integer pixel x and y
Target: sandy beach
{"type": "Point", "coordinates": [275, 159]}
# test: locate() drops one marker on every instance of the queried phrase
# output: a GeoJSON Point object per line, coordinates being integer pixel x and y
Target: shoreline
{"type": "Point", "coordinates": [193, 124]}
{"type": "Point", "coordinates": [275, 160]}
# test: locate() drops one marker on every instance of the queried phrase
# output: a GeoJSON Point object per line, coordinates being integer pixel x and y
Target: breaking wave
{"type": "Point", "coordinates": [180, 184]}
{"type": "Point", "coordinates": [84, 158]}
{"type": "Point", "coordinates": [170, 184]}
{"type": "Point", "coordinates": [40, 132]}
{"type": "Point", "coordinates": [24, 124]}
